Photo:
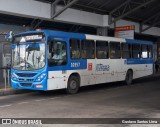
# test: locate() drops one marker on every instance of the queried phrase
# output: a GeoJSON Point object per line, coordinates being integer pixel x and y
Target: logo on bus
{"type": "Point", "coordinates": [89, 66]}
{"type": "Point", "coordinates": [101, 67]}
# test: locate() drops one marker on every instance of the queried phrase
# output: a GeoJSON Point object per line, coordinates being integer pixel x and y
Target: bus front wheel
{"type": "Point", "coordinates": [129, 77]}
{"type": "Point", "coordinates": [73, 85]}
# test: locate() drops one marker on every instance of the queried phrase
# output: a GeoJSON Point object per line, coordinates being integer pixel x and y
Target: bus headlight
{"type": "Point", "coordinates": [41, 77]}
{"type": "Point", "coordinates": [14, 77]}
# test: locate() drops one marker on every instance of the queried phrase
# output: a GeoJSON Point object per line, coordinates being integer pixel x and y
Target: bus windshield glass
{"type": "Point", "coordinates": [28, 51]}
{"type": "Point", "coordinates": [28, 56]}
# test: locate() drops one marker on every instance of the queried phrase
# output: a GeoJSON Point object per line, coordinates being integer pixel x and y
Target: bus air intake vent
{"type": "Point", "coordinates": [25, 80]}
{"type": "Point", "coordinates": [26, 84]}
{"type": "Point", "coordinates": [26, 74]}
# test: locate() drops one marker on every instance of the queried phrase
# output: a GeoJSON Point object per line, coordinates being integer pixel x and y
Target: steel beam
{"type": "Point", "coordinates": [151, 18]}
{"type": "Point", "coordinates": [90, 7]}
{"type": "Point", "coordinates": [53, 7]}
{"type": "Point", "coordinates": [33, 24]}
{"type": "Point", "coordinates": [125, 9]}
{"type": "Point", "coordinates": [75, 28]}
{"type": "Point", "coordinates": [63, 9]}
{"type": "Point", "coordinates": [90, 2]}
{"type": "Point", "coordinates": [150, 22]}
{"type": "Point", "coordinates": [107, 2]}
{"type": "Point", "coordinates": [36, 22]}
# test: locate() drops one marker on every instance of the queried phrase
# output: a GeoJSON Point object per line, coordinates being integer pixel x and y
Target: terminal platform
{"type": "Point", "coordinates": [9, 91]}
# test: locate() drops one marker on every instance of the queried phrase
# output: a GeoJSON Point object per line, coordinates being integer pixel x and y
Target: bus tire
{"type": "Point", "coordinates": [129, 77]}
{"type": "Point", "coordinates": [73, 85]}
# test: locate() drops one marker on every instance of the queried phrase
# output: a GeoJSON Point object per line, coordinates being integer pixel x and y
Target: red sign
{"type": "Point", "coordinates": [123, 28]}
{"type": "Point", "coordinates": [125, 32]}
{"type": "Point", "coordinates": [89, 66]}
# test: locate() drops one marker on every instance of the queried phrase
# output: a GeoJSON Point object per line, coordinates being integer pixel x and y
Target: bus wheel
{"type": "Point", "coordinates": [73, 85]}
{"type": "Point", "coordinates": [129, 77]}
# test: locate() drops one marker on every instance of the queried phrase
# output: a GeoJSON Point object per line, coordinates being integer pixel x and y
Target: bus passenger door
{"type": "Point", "coordinates": [88, 54]}
{"type": "Point", "coordinates": [115, 61]}
{"type": "Point", "coordinates": [102, 65]}
{"type": "Point", "coordinates": [57, 63]}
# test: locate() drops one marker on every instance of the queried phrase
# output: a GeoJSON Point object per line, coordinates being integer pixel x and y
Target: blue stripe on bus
{"type": "Point", "coordinates": [139, 61]}
{"type": "Point", "coordinates": [130, 41]}
{"type": "Point", "coordinates": [72, 65]}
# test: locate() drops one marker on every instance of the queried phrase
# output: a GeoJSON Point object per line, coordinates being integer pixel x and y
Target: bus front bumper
{"type": "Point", "coordinates": [29, 85]}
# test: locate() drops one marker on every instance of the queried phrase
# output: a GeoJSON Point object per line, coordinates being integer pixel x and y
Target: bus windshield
{"type": "Point", "coordinates": [28, 56]}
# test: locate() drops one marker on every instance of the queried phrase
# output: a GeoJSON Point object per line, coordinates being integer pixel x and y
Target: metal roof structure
{"type": "Point", "coordinates": [141, 11]}
{"type": "Point", "coordinates": [144, 11]}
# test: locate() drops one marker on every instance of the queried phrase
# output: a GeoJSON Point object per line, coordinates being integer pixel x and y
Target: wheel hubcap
{"type": "Point", "coordinates": [73, 84]}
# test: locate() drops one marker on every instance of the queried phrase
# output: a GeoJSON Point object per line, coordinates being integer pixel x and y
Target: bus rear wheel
{"type": "Point", "coordinates": [73, 85]}
{"type": "Point", "coordinates": [129, 77]}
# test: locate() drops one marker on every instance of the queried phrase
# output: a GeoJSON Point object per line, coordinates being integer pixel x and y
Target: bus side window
{"type": "Point", "coordinates": [57, 54]}
{"type": "Point", "coordinates": [136, 51]}
{"type": "Point", "coordinates": [115, 52]}
{"type": "Point", "coordinates": [150, 51]}
{"type": "Point", "coordinates": [75, 49]}
{"type": "Point", "coordinates": [101, 49]}
{"type": "Point", "coordinates": [126, 50]}
{"type": "Point", "coordinates": [84, 54]}
{"type": "Point", "coordinates": [50, 49]}
{"type": "Point", "coordinates": [144, 51]}
{"type": "Point", "coordinates": [88, 49]}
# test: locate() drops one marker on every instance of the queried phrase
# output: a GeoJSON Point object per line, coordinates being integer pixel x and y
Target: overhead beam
{"type": "Point", "coordinates": [150, 22]}
{"type": "Point", "coordinates": [54, 14]}
{"type": "Point", "coordinates": [125, 9]}
{"type": "Point", "coordinates": [63, 9]}
{"type": "Point", "coordinates": [90, 2]}
{"type": "Point", "coordinates": [151, 18]}
{"type": "Point", "coordinates": [90, 7]}
{"type": "Point", "coordinates": [36, 22]}
{"type": "Point", "coordinates": [107, 2]}
{"type": "Point", "coordinates": [53, 6]}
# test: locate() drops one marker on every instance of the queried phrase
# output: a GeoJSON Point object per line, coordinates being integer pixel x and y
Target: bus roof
{"type": "Point", "coordinates": [56, 33]}
{"type": "Point", "coordinates": [103, 38]}
{"type": "Point", "coordinates": [85, 36]}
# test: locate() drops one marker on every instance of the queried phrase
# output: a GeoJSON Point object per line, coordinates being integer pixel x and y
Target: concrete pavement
{"type": "Point", "coordinates": [112, 100]}
{"type": "Point", "coordinates": [7, 90]}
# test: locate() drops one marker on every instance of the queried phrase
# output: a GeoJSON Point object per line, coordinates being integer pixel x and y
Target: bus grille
{"type": "Point", "coordinates": [26, 84]}
{"type": "Point", "coordinates": [25, 80]}
{"type": "Point", "coordinates": [26, 74]}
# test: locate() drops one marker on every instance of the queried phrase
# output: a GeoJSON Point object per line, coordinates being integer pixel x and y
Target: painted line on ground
{"type": "Point", "coordinates": [41, 99]}
{"type": "Point", "coordinates": [22, 103]}
{"type": "Point", "coordinates": [2, 106]}
{"type": "Point", "coordinates": [52, 98]}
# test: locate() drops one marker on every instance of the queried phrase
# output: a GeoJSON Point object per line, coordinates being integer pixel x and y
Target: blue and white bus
{"type": "Point", "coordinates": [48, 60]}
